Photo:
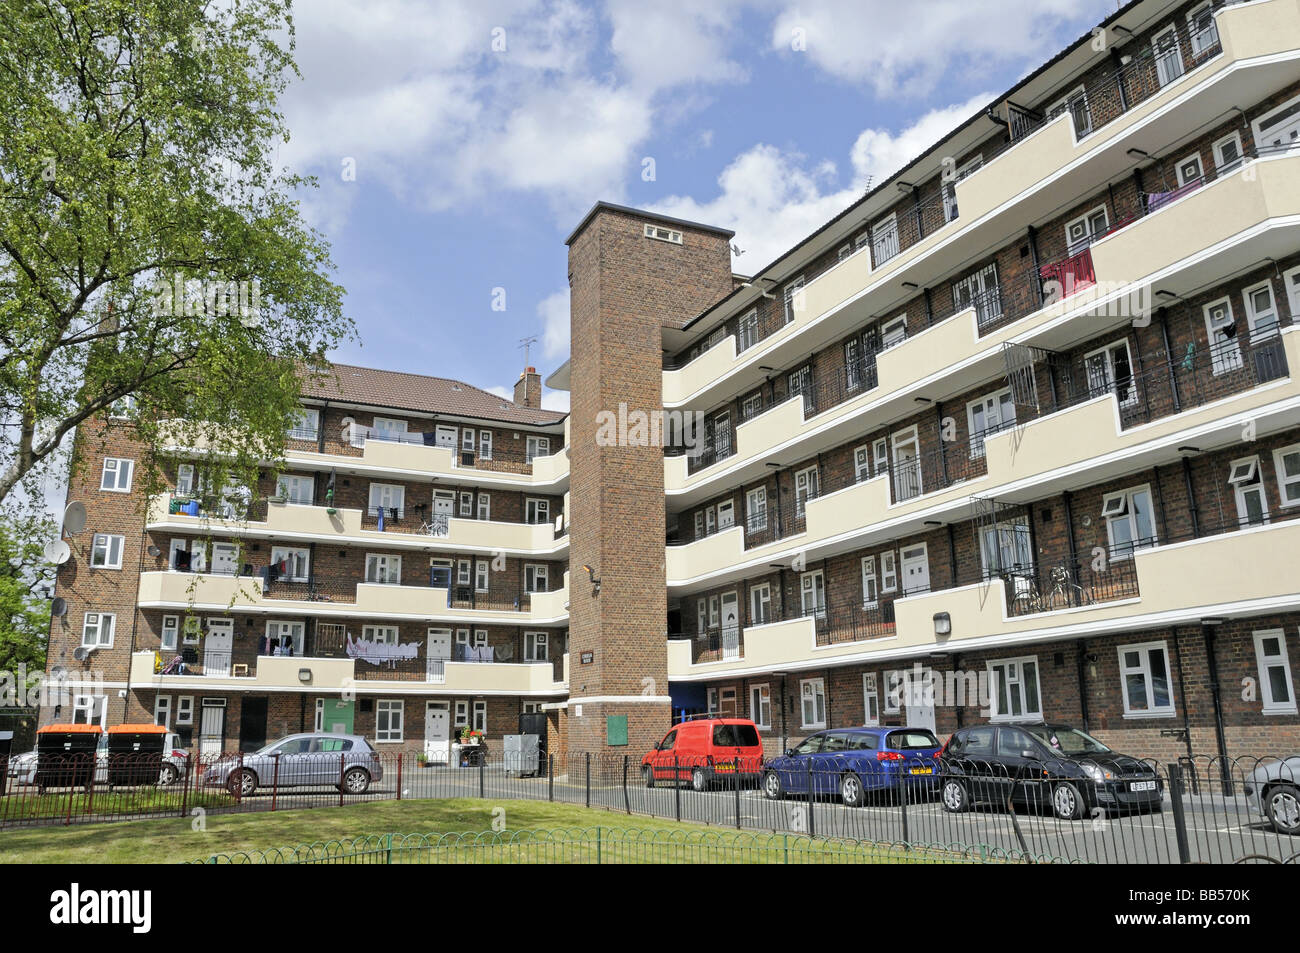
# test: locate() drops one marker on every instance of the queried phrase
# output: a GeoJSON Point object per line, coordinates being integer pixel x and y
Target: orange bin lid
{"type": "Point", "coordinates": [71, 729]}
{"type": "Point", "coordinates": [141, 729]}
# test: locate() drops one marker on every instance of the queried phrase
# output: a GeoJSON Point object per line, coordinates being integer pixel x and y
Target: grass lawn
{"type": "Point", "coordinates": [172, 840]}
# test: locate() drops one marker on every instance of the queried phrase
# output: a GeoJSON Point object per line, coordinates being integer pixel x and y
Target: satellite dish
{"type": "Point", "coordinates": [58, 672]}
{"type": "Point", "coordinates": [59, 607]}
{"type": "Point", "coordinates": [154, 551]}
{"type": "Point", "coordinates": [74, 518]}
{"type": "Point", "coordinates": [58, 552]}
{"type": "Point", "coordinates": [80, 653]}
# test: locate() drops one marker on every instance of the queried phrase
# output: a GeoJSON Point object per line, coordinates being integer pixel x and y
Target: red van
{"type": "Point", "coordinates": [705, 750]}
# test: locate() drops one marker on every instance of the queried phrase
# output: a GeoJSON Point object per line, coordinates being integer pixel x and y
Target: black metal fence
{"type": "Point", "coordinates": [1194, 809]}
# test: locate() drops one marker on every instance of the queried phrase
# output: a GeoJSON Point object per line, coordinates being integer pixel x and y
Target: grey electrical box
{"type": "Point", "coordinates": [520, 755]}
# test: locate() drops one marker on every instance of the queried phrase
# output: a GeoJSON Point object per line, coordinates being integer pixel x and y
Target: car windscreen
{"type": "Point", "coordinates": [735, 736]}
{"type": "Point", "coordinates": [911, 740]}
{"type": "Point", "coordinates": [1069, 741]}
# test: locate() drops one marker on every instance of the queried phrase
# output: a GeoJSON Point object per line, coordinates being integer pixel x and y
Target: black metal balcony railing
{"type": "Point", "coordinates": [509, 459]}
{"type": "Point", "coordinates": [311, 434]}
{"type": "Point", "coordinates": [1068, 585]}
{"type": "Point", "coordinates": [190, 661]}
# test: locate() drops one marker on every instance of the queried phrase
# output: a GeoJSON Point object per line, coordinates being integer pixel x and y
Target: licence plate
{"type": "Point", "coordinates": [723, 768]}
{"type": "Point", "coordinates": [922, 770]}
{"type": "Point", "coordinates": [1142, 786]}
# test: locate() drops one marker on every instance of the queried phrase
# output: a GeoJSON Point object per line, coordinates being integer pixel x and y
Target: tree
{"type": "Point", "coordinates": [150, 245]}
{"type": "Point", "coordinates": [25, 578]}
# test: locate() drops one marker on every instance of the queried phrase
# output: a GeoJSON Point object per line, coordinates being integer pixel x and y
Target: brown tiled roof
{"type": "Point", "coordinates": [420, 394]}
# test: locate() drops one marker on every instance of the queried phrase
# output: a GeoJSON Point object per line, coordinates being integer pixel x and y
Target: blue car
{"type": "Point", "coordinates": [854, 763]}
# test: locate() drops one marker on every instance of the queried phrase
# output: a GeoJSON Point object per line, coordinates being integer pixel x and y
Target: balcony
{"type": "Point", "coordinates": [210, 592]}
{"type": "Point", "coordinates": [253, 674]}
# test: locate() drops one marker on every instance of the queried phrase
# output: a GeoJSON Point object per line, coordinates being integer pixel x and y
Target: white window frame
{"type": "Point", "coordinates": [751, 406]}
{"type": "Point", "coordinates": [880, 456]}
{"type": "Point", "coordinates": [1211, 32]}
{"type": "Point", "coordinates": [1225, 355]}
{"type": "Point", "coordinates": [726, 514]}
{"type": "Point", "coordinates": [307, 425]}
{"type": "Point", "coordinates": [90, 710]}
{"type": "Point", "coordinates": [870, 583]}
{"type": "Point", "coordinates": [1111, 382]}
{"type": "Point", "coordinates": [870, 699]}
{"type": "Point", "coordinates": [756, 509]}
{"type": "Point", "coordinates": [1012, 670]}
{"type": "Point", "coordinates": [185, 479]}
{"type": "Point", "coordinates": [1246, 476]}
{"type": "Point", "coordinates": [1113, 514]}
{"type": "Point", "coordinates": [122, 408]}
{"type": "Point", "coordinates": [184, 710]}
{"type": "Point", "coordinates": [296, 632]}
{"type": "Point", "coordinates": [893, 331]}
{"type": "Point", "coordinates": [299, 558]}
{"type": "Point", "coordinates": [794, 299]}
{"type": "Point", "coordinates": [391, 564]}
{"type": "Point", "coordinates": [105, 545]}
{"type": "Point", "coordinates": [977, 434]}
{"type": "Point", "coordinates": [537, 577]}
{"type": "Point", "coordinates": [383, 494]}
{"type": "Point", "coordinates": [811, 489]}
{"type": "Point", "coordinates": [482, 575]}
{"type": "Point", "coordinates": [535, 447]}
{"type": "Point", "coordinates": [1263, 324]}
{"type": "Point", "coordinates": [169, 633]}
{"type": "Point", "coordinates": [537, 510]}
{"type": "Point", "coordinates": [1075, 246]}
{"type": "Point", "coordinates": [389, 425]}
{"type": "Point", "coordinates": [862, 469]}
{"type": "Point", "coordinates": [1284, 482]}
{"type": "Point", "coordinates": [104, 623]}
{"type": "Point", "coordinates": [1144, 669]}
{"type": "Point", "coordinates": [390, 735]}
{"type": "Point", "coordinates": [888, 572]}
{"type": "Point", "coordinates": [818, 608]}
{"type": "Point", "coordinates": [747, 330]}
{"type": "Point", "coordinates": [484, 506]}
{"type": "Point", "coordinates": [1177, 59]}
{"type": "Point", "coordinates": [1184, 180]}
{"type": "Point", "coordinates": [381, 634]}
{"type": "Point", "coordinates": [1222, 165]}
{"type": "Point", "coordinates": [1270, 706]}
{"type": "Point", "coordinates": [1291, 285]}
{"type": "Point", "coordinates": [1082, 92]}
{"type": "Point", "coordinates": [760, 604]}
{"type": "Point", "coordinates": [118, 475]}
{"type": "Point", "coordinates": [162, 711]}
{"type": "Point", "coordinates": [291, 487]}
{"type": "Point", "coordinates": [461, 715]}
{"type": "Point", "coordinates": [466, 504]}
{"type": "Point", "coordinates": [479, 717]}
{"type": "Point", "coordinates": [760, 705]}
{"type": "Point", "coordinates": [881, 234]}
{"type": "Point", "coordinates": [537, 646]}
{"type": "Point", "coordinates": [810, 691]}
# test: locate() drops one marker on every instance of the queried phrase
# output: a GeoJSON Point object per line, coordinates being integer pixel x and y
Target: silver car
{"type": "Point", "coordinates": [175, 764]}
{"type": "Point", "coordinates": [303, 760]}
{"type": "Point", "coordinates": [1274, 788]}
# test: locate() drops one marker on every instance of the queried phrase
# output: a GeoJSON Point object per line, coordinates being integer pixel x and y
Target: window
{"type": "Point", "coordinates": [467, 504]}
{"type": "Point", "coordinates": [1144, 669]}
{"type": "Point", "coordinates": [751, 406]}
{"type": "Point", "coordinates": [122, 408]}
{"type": "Point", "coordinates": [296, 489]}
{"type": "Point", "coordinates": [1286, 463]}
{"type": "Point", "coordinates": [950, 188]}
{"type": "Point", "coordinates": [989, 415]}
{"type": "Point", "coordinates": [536, 577]}
{"type": "Point", "coordinates": [170, 632]}
{"type": "Point", "coordinates": [726, 514]}
{"type": "Point", "coordinates": [659, 233]}
{"type": "Point", "coordinates": [1261, 310]}
{"type": "Point", "coordinates": [389, 428]}
{"type": "Point", "coordinates": [870, 699]}
{"type": "Point", "coordinates": [888, 572]}
{"type": "Point", "coordinates": [884, 240]}
{"type": "Point", "coordinates": [870, 590]}
{"type": "Point", "coordinates": [116, 477]}
{"type": "Point", "coordinates": [1085, 229]}
{"type": "Point", "coordinates": [480, 717]}
{"type": "Point", "coordinates": [1130, 524]}
{"type": "Point", "coordinates": [185, 710]}
{"type": "Point", "coordinates": [1005, 547]}
{"type": "Point", "coordinates": [981, 292]}
{"type": "Point", "coordinates": [1168, 55]}
{"type": "Point", "coordinates": [293, 562]}
{"type": "Point", "coordinates": [380, 634]}
{"type": "Point", "coordinates": [1244, 476]}
{"type": "Point", "coordinates": [388, 719]}
{"type": "Point", "coordinates": [536, 646]}
{"type": "Point", "coordinates": [907, 465]}
{"type": "Point", "coordinates": [794, 299]}
{"type": "Point", "coordinates": [1076, 104]}
{"type": "Point", "coordinates": [484, 506]}
{"type": "Point", "coordinates": [862, 464]}
{"type": "Point", "coordinates": [1013, 689]}
{"type": "Point", "coordinates": [106, 551]}
{"type": "Point", "coordinates": [481, 575]}
{"type": "Point", "coordinates": [880, 456]}
{"type": "Point", "coordinates": [1228, 153]}
{"type": "Point", "coordinates": [756, 509]}
{"type": "Point", "coordinates": [383, 570]}
{"type": "Point", "coordinates": [185, 479]}
{"type": "Point", "coordinates": [90, 710]}
{"type": "Point", "coordinates": [1203, 30]}
{"type": "Point", "coordinates": [537, 511]}
{"type": "Point", "coordinates": [191, 629]}
{"type": "Point", "coordinates": [1221, 327]}
{"type": "Point", "coordinates": [812, 594]}
{"type": "Point", "coordinates": [1110, 371]}
{"type": "Point", "coordinates": [390, 496]}
{"type": "Point", "coordinates": [305, 425]}
{"type": "Point", "coordinates": [805, 489]}
{"type": "Point", "coordinates": [893, 331]}
{"type": "Point", "coordinates": [162, 711]}
{"type": "Point", "coordinates": [800, 382]}
{"type": "Point", "coordinates": [853, 364]}
{"type": "Point", "coordinates": [286, 638]}
{"type": "Point", "coordinates": [537, 447]}
{"type": "Point", "coordinates": [760, 604]}
{"type": "Point", "coordinates": [1277, 691]}
{"type": "Point", "coordinates": [485, 444]}
{"type": "Point", "coordinates": [760, 705]}
{"type": "Point", "coordinates": [462, 714]}
{"type": "Point", "coordinates": [812, 696]}
{"type": "Point", "coordinates": [464, 572]}
{"type": "Point", "coordinates": [97, 630]}
{"type": "Point", "coordinates": [747, 331]}
{"type": "Point", "coordinates": [1189, 171]}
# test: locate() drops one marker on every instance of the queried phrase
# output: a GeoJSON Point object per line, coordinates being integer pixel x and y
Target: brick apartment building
{"type": "Point", "coordinates": [1015, 436]}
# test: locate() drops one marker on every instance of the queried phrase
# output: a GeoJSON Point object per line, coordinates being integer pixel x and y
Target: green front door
{"type": "Point", "coordinates": [337, 715]}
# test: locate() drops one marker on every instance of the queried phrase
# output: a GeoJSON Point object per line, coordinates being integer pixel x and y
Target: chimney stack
{"type": "Point", "coordinates": [528, 389]}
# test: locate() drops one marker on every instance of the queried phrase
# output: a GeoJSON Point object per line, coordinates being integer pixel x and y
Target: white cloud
{"type": "Point", "coordinates": [554, 312]}
{"type": "Point", "coordinates": [773, 198]}
{"type": "Point", "coordinates": [555, 400]}
{"type": "Point", "coordinates": [910, 48]}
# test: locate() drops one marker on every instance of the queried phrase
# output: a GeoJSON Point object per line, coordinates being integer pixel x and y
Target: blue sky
{"type": "Point", "coordinates": [481, 132]}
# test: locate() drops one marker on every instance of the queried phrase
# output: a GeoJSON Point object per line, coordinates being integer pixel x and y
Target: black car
{"type": "Point", "coordinates": [1044, 765]}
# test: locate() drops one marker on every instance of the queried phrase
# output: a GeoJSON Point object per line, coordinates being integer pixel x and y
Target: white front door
{"type": "Point", "coordinates": [916, 569]}
{"type": "Point", "coordinates": [445, 437]}
{"type": "Point", "coordinates": [907, 467]}
{"type": "Point", "coordinates": [212, 726]}
{"type": "Point", "coordinates": [812, 594]}
{"type": "Point", "coordinates": [224, 556]}
{"type": "Point", "coordinates": [437, 732]}
{"type": "Point", "coordinates": [217, 646]}
{"type": "Point", "coordinates": [730, 626]}
{"type": "Point", "coordinates": [437, 654]}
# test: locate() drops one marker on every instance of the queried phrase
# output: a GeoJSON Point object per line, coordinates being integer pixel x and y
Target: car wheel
{"type": "Point", "coordinates": [168, 775]}
{"type": "Point", "coordinates": [955, 798]}
{"type": "Point", "coordinates": [1067, 802]}
{"type": "Point", "coordinates": [242, 783]}
{"type": "Point", "coordinates": [699, 780]}
{"type": "Point", "coordinates": [851, 790]}
{"type": "Point", "coordinates": [356, 781]}
{"type": "Point", "coordinates": [648, 775]}
{"type": "Point", "coordinates": [1282, 805]}
{"type": "Point", "coordinates": [772, 786]}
